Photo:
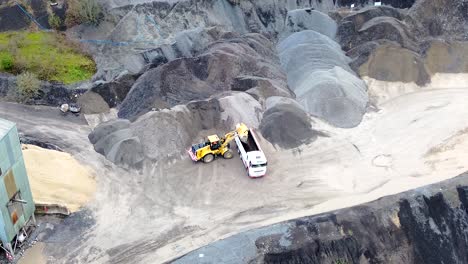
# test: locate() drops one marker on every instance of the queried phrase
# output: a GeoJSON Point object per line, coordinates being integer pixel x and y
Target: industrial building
{"type": "Point", "coordinates": [16, 201]}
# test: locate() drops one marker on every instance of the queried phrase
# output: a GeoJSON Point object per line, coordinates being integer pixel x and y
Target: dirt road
{"type": "Point", "coordinates": [168, 209]}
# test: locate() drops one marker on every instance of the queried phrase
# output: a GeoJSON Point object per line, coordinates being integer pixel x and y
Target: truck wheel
{"type": "Point", "coordinates": [208, 158]}
{"type": "Point", "coordinates": [228, 154]}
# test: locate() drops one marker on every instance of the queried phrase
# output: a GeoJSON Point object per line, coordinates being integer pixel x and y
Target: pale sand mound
{"type": "Point", "coordinates": [34, 255]}
{"type": "Point", "coordinates": [392, 71]}
{"type": "Point", "coordinates": [57, 178]}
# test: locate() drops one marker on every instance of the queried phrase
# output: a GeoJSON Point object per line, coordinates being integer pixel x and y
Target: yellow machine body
{"type": "Point", "coordinates": [215, 146]}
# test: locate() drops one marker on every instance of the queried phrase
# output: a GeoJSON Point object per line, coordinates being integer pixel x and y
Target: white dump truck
{"type": "Point", "coordinates": [252, 155]}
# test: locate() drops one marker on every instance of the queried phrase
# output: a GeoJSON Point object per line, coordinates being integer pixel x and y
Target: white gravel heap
{"type": "Point", "coordinates": [319, 74]}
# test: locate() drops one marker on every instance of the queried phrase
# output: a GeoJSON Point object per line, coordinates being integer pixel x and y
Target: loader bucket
{"type": "Point", "coordinates": [242, 131]}
{"type": "Point", "coordinates": [192, 155]}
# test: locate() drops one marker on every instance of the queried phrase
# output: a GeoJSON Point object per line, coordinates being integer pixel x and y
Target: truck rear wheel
{"type": "Point", "coordinates": [208, 158]}
{"type": "Point", "coordinates": [228, 154]}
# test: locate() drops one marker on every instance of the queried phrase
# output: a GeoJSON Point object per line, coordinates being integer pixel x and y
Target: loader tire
{"type": "Point", "coordinates": [228, 154]}
{"type": "Point", "coordinates": [208, 158]}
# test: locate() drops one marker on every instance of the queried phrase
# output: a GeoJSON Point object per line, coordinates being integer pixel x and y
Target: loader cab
{"type": "Point", "coordinates": [214, 142]}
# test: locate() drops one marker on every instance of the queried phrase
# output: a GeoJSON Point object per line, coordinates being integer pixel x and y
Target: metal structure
{"type": "Point", "coordinates": [16, 201]}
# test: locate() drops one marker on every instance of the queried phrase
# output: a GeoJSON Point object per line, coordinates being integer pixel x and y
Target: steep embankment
{"type": "Point", "coordinates": [426, 225]}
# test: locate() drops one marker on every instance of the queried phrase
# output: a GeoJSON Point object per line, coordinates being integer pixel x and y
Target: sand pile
{"type": "Point", "coordinates": [398, 52]}
{"type": "Point", "coordinates": [319, 74]}
{"type": "Point", "coordinates": [57, 178]}
{"type": "Point", "coordinates": [392, 70]}
{"type": "Point", "coordinates": [447, 57]}
{"type": "Point", "coordinates": [286, 123]}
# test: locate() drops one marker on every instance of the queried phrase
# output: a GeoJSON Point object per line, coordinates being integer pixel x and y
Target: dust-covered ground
{"type": "Point", "coordinates": [166, 210]}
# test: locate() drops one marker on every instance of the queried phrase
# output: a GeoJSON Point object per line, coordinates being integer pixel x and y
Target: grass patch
{"type": "Point", "coordinates": [47, 54]}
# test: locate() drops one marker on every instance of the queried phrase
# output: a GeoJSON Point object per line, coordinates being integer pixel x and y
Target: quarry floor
{"type": "Point", "coordinates": [168, 209]}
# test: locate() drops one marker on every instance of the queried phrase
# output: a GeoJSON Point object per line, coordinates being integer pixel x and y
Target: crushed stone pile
{"type": "Point", "coordinates": [158, 31]}
{"type": "Point", "coordinates": [413, 34]}
{"type": "Point", "coordinates": [113, 92]}
{"type": "Point", "coordinates": [374, 24]}
{"type": "Point", "coordinates": [309, 19]}
{"type": "Point", "coordinates": [240, 107]}
{"type": "Point", "coordinates": [92, 103]}
{"type": "Point", "coordinates": [286, 123]}
{"type": "Point", "coordinates": [447, 19]}
{"type": "Point", "coordinates": [398, 52]}
{"type": "Point", "coordinates": [216, 70]}
{"type": "Point", "coordinates": [394, 70]}
{"type": "Point", "coordinates": [319, 74]}
{"type": "Point", "coordinates": [115, 140]}
{"type": "Point", "coordinates": [167, 133]}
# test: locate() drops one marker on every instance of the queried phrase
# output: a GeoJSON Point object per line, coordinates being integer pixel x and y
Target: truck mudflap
{"type": "Point", "coordinates": [191, 154]}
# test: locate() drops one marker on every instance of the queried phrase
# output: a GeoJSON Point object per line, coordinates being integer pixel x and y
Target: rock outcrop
{"type": "Point", "coordinates": [12, 18]}
{"type": "Point", "coordinates": [51, 94]}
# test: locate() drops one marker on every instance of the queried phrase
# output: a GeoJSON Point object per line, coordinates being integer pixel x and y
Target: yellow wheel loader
{"type": "Point", "coordinates": [215, 146]}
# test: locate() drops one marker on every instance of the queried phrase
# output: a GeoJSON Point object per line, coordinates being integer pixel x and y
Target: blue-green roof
{"type": "Point", "coordinates": [5, 127]}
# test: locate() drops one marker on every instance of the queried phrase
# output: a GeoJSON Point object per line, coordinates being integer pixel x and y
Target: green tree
{"type": "Point", "coordinates": [28, 86]}
{"type": "Point", "coordinates": [90, 11]}
{"type": "Point", "coordinates": [55, 22]}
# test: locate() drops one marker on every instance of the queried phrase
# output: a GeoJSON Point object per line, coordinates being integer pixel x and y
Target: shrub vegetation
{"type": "Point", "coordinates": [55, 22]}
{"type": "Point", "coordinates": [83, 11]}
{"type": "Point", "coordinates": [27, 86]}
{"type": "Point", "coordinates": [46, 54]}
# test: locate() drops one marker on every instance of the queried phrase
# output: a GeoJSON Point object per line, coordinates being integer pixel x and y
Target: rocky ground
{"type": "Point", "coordinates": [351, 106]}
{"type": "Point", "coordinates": [426, 225]}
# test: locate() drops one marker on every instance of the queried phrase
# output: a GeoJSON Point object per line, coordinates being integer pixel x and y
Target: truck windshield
{"type": "Point", "coordinates": [258, 165]}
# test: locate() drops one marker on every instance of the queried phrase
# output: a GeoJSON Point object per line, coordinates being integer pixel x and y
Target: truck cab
{"type": "Point", "coordinates": [257, 165]}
